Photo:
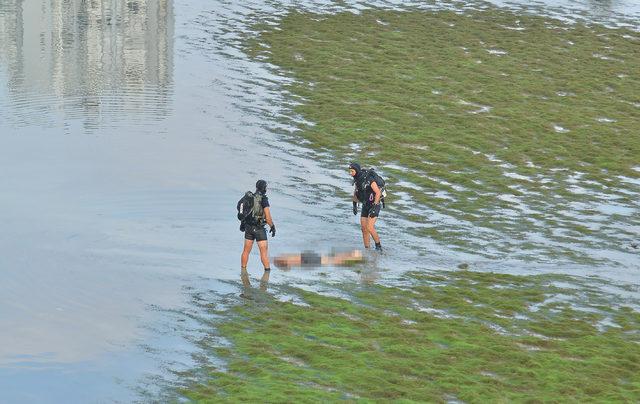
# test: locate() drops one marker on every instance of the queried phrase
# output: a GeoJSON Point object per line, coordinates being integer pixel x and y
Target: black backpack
{"type": "Point", "coordinates": [250, 208]}
{"type": "Point", "coordinates": [374, 176]}
{"type": "Point", "coordinates": [370, 176]}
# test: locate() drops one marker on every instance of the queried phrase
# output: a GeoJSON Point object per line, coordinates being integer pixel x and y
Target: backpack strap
{"type": "Point", "coordinates": [257, 208]}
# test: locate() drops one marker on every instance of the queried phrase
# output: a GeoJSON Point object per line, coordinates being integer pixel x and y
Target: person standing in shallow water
{"type": "Point", "coordinates": [369, 194]}
{"type": "Point", "coordinates": [254, 231]}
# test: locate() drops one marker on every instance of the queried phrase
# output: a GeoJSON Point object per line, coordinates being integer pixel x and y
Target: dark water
{"type": "Point", "coordinates": [128, 130]}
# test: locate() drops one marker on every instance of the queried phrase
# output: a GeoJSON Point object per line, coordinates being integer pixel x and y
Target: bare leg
{"type": "Point", "coordinates": [372, 230]}
{"type": "Point", "coordinates": [264, 253]}
{"type": "Point", "coordinates": [244, 259]}
{"type": "Point", "coordinates": [364, 221]}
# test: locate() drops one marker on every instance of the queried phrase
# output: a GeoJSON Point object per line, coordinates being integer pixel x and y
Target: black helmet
{"type": "Point", "coordinates": [261, 186]}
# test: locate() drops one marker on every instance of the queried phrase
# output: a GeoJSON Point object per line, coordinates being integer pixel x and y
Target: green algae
{"type": "Point", "coordinates": [475, 337]}
{"type": "Point", "coordinates": [470, 107]}
{"type": "Point", "coordinates": [448, 104]}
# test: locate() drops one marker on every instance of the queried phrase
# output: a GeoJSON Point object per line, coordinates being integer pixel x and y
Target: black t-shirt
{"type": "Point", "coordinates": [265, 202]}
{"type": "Point", "coordinates": [370, 196]}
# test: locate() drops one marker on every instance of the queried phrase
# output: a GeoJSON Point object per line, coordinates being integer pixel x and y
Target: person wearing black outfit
{"type": "Point", "coordinates": [254, 231]}
{"type": "Point", "coordinates": [368, 192]}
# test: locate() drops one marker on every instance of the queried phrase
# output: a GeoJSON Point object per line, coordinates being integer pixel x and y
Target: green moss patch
{"type": "Point", "coordinates": [462, 335]}
{"type": "Point", "coordinates": [511, 125]}
{"type": "Point", "coordinates": [500, 134]}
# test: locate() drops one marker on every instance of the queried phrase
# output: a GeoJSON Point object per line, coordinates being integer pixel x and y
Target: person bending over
{"type": "Point", "coordinates": [368, 192]}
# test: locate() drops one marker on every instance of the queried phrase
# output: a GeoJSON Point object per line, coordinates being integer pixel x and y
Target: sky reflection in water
{"type": "Point", "coordinates": [126, 135]}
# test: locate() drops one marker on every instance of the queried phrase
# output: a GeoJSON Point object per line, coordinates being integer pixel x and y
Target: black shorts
{"type": "Point", "coordinates": [368, 208]}
{"type": "Point", "coordinates": [255, 232]}
{"type": "Point", "coordinates": [309, 258]}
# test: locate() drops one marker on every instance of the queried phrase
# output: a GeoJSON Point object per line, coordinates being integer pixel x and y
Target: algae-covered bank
{"type": "Point", "coordinates": [502, 135]}
{"type": "Point", "coordinates": [446, 337]}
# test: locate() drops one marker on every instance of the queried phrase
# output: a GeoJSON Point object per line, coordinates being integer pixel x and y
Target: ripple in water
{"type": "Point", "coordinates": [101, 63]}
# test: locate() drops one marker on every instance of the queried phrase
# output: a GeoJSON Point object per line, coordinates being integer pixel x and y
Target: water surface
{"type": "Point", "coordinates": [128, 130]}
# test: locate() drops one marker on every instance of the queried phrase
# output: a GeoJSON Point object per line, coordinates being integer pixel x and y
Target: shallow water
{"type": "Point", "coordinates": [128, 130]}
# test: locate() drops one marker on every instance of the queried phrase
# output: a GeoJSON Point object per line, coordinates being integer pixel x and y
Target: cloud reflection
{"type": "Point", "coordinates": [92, 60]}
{"type": "Point", "coordinates": [78, 65]}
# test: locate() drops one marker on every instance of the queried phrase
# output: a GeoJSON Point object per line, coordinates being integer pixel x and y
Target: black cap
{"type": "Point", "coordinates": [356, 167]}
{"type": "Point", "coordinates": [261, 186]}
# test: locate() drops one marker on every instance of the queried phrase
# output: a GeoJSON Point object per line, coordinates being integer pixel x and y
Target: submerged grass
{"type": "Point", "coordinates": [467, 336]}
{"type": "Point", "coordinates": [508, 123]}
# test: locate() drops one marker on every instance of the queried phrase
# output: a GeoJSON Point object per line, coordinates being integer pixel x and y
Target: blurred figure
{"type": "Point", "coordinates": [312, 259]}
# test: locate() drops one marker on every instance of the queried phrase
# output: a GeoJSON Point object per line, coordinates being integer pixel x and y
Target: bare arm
{"type": "Point", "coordinates": [267, 216]}
{"type": "Point", "coordinates": [376, 190]}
